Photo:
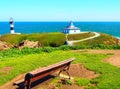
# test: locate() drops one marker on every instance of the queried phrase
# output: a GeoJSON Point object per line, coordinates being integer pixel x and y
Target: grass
{"type": "Point", "coordinates": [58, 39]}
{"type": "Point", "coordinates": [108, 79]}
{"type": "Point", "coordinates": [103, 39]}
{"type": "Point", "coordinates": [25, 63]}
{"type": "Point", "coordinates": [57, 82]}
{"type": "Point", "coordinates": [80, 36]}
{"type": "Point", "coordinates": [2, 73]}
{"type": "Point", "coordinates": [45, 39]}
{"type": "Point", "coordinates": [82, 81]}
{"type": "Point", "coordinates": [27, 51]}
{"type": "Point", "coordinates": [26, 60]}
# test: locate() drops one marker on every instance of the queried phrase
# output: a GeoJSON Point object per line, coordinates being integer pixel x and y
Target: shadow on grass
{"type": "Point", "coordinates": [36, 83]}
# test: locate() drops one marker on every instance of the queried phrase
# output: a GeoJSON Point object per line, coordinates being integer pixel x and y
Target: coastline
{"type": "Point", "coordinates": [117, 37]}
{"type": "Point", "coordinates": [112, 28]}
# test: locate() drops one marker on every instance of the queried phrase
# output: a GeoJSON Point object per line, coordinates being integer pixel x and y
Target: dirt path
{"type": "Point", "coordinates": [75, 41]}
{"type": "Point", "coordinates": [9, 85]}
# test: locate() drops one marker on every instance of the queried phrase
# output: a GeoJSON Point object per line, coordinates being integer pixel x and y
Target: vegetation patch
{"type": "Point", "coordinates": [5, 70]}
{"type": "Point", "coordinates": [2, 73]}
{"type": "Point", "coordinates": [104, 39]}
{"type": "Point", "coordinates": [80, 36]}
{"type": "Point", "coordinates": [59, 39]}
{"type": "Point", "coordinates": [82, 81]}
{"type": "Point", "coordinates": [45, 39]}
{"type": "Point", "coordinates": [27, 51]}
{"type": "Point", "coordinates": [25, 63]}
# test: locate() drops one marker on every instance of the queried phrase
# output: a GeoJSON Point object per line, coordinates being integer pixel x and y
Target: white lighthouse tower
{"type": "Point", "coordinates": [12, 26]}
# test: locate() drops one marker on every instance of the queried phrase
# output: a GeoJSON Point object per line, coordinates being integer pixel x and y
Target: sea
{"type": "Point", "coordinates": [112, 28]}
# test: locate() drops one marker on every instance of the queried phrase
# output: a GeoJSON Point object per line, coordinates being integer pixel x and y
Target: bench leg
{"type": "Point", "coordinates": [60, 72]}
{"type": "Point", "coordinates": [27, 83]}
{"type": "Point", "coordinates": [68, 73]}
{"type": "Point", "coordinates": [66, 70]}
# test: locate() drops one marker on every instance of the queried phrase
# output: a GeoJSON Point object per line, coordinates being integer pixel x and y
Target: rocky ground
{"type": "Point", "coordinates": [4, 46]}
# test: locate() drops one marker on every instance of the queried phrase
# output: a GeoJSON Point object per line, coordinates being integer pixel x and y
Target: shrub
{"type": "Point", "coordinates": [64, 47]}
{"type": "Point", "coordinates": [47, 49]}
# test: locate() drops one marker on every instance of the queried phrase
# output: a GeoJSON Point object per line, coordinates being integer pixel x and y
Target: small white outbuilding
{"type": "Point", "coordinates": [71, 29]}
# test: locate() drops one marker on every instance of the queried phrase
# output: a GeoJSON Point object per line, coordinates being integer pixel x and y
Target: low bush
{"type": "Point", "coordinates": [25, 51]}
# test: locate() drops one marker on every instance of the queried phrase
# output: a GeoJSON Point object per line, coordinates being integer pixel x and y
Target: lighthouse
{"type": "Point", "coordinates": [12, 26]}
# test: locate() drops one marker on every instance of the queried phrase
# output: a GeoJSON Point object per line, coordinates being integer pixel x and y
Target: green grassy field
{"type": "Point", "coordinates": [27, 59]}
{"type": "Point", "coordinates": [58, 39]}
{"type": "Point", "coordinates": [108, 79]}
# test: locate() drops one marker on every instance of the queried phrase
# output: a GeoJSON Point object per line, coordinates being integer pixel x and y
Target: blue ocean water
{"type": "Point", "coordinates": [112, 28]}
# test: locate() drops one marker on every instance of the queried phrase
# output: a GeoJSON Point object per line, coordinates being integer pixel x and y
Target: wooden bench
{"type": "Point", "coordinates": [43, 72]}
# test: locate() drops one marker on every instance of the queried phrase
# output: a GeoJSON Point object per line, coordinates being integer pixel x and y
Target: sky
{"type": "Point", "coordinates": [60, 10]}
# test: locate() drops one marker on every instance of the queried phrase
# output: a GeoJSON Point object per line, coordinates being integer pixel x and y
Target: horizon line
{"type": "Point", "coordinates": [60, 21]}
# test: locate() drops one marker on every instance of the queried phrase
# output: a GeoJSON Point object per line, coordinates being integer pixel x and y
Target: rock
{"type": "Point", "coordinates": [118, 41]}
{"type": "Point", "coordinates": [27, 43]}
{"type": "Point", "coordinates": [3, 46]}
